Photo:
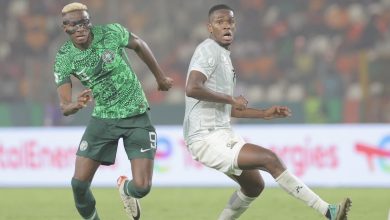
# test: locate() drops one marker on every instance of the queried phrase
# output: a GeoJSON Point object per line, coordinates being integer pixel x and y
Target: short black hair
{"type": "Point", "coordinates": [219, 7]}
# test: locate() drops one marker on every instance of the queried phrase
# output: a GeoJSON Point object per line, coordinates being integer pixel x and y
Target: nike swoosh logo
{"type": "Point", "coordinates": [144, 150]}
{"type": "Point", "coordinates": [138, 209]}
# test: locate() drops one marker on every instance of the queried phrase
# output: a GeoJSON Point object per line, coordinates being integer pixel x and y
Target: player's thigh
{"type": "Point", "coordinates": [256, 157]}
{"type": "Point", "coordinates": [85, 168]}
{"type": "Point", "coordinates": [142, 143]}
{"type": "Point", "coordinates": [100, 141]}
{"type": "Point", "coordinates": [142, 171]}
{"type": "Point", "coordinates": [219, 150]}
{"type": "Point", "coordinates": [140, 139]}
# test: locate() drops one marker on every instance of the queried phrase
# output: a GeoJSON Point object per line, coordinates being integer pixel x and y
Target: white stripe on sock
{"type": "Point", "coordinates": [93, 215]}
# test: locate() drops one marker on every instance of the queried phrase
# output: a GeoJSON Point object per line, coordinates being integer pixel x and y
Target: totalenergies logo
{"type": "Point", "coordinates": [164, 152]}
{"type": "Point", "coordinates": [380, 153]}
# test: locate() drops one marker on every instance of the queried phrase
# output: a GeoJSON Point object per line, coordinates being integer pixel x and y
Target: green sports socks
{"type": "Point", "coordinates": [84, 200]}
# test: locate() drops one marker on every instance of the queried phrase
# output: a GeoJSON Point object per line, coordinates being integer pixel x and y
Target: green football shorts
{"type": "Point", "coordinates": [100, 139]}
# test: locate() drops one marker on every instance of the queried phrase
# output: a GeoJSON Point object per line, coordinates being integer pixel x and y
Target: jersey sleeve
{"type": "Point", "coordinates": [62, 69]}
{"type": "Point", "coordinates": [205, 61]}
{"type": "Point", "coordinates": [121, 33]}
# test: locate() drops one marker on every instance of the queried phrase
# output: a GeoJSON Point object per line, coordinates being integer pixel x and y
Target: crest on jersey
{"type": "Point", "coordinates": [83, 145]}
{"type": "Point", "coordinates": [108, 56]}
{"type": "Point", "coordinates": [211, 61]}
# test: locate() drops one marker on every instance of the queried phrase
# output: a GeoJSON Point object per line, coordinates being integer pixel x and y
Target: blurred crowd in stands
{"type": "Point", "coordinates": [329, 60]}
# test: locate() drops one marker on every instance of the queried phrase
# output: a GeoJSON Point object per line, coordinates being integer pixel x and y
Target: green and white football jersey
{"type": "Point", "coordinates": [105, 69]}
{"type": "Point", "coordinates": [200, 117]}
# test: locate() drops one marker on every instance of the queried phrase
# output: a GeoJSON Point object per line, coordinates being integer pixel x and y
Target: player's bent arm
{"type": "Point", "coordinates": [249, 113]}
{"type": "Point", "coordinates": [143, 51]}
{"type": "Point", "coordinates": [196, 89]}
{"type": "Point", "coordinates": [67, 106]}
{"type": "Point", "coordinates": [65, 95]}
{"type": "Point", "coordinates": [269, 113]}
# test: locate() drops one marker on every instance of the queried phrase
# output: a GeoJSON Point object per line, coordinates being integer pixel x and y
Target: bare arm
{"type": "Point", "coordinates": [269, 113]}
{"type": "Point", "coordinates": [145, 54]}
{"type": "Point", "coordinates": [196, 89]}
{"type": "Point", "coordinates": [68, 107]}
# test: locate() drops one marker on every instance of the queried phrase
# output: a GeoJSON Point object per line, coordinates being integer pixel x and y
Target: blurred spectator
{"type": "Point", "coordinates": [328, 58]}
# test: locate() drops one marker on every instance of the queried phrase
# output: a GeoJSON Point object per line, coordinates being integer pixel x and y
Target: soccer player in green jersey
{"type": "Point", "coordinates": [208, 134]}
{"type": "Point", "coordinates": [95, 55]}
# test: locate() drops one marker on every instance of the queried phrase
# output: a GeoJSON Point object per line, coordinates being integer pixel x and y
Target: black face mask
{"type": "Point", "coordinates": [73, 26]}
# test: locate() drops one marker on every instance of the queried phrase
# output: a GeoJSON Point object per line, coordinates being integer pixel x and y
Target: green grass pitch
{"type": "Point", "coordinates": [187, 204]}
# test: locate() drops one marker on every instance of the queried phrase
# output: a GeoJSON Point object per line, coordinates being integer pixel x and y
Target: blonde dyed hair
{"type": "Point", "coordinates": [75, 6]}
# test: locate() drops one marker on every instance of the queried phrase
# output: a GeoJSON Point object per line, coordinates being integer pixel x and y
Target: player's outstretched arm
{"type": "Point", "coordinates": [67, 106]}
{"type": "Point", "coordinates": [145, 54]}
{"type": "Point", "coordinates": [269, 113]}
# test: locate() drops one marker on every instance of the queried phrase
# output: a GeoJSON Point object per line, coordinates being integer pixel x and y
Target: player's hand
{"type": "Point", "coordinates": [165, 83]}
{"type": "Point", "coordinates": [240, 103]}
{"type": "Point", "coordinates": [277, 112]}
{"type": "Point", "coordinates": [83, 98]}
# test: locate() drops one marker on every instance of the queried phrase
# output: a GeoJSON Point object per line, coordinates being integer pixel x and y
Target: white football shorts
{"type": "Point", "coordinates": [219, 150]}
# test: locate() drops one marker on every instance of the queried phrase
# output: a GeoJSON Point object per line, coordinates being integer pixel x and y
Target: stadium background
{"type": "Point", "coordinates": [327, 60]}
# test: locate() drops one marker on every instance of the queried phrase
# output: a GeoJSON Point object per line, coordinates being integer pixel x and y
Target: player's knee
{"type": "Point", "coordinates": [79, 187]}
{"type": "Point", "coordinates": [255, 189]}
{"type": "Point", "coordinates": [138, 188]}
{"type": "Point", "coordinates": [273, 161]}
{"type": "Point", "coordinates": [140, 192]}
{"type": "Point", "coordinates": [259, 189]}
{"type": "Point", "coordinates": [272, 157]}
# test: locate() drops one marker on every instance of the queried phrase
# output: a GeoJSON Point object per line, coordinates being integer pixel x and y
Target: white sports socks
{"type": "Point", "coordinates": [237, 205]}
{"type": "Point", "coordinates": [299, 190]}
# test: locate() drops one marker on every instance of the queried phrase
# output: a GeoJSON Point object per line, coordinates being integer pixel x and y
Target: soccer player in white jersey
{"type": "Point", "coordinates": [208, 134]}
